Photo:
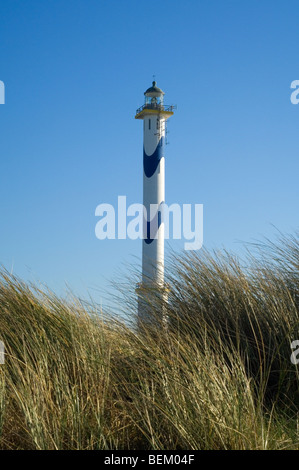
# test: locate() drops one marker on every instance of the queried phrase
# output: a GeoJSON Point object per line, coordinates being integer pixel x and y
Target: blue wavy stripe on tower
{"type": "Point", "coordinates": [148, 240]}
{"type": "Point", "coordinates": [151, 162]}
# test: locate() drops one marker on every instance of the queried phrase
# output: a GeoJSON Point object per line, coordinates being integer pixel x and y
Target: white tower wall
{"type": "Point", "coordinates": [153, 194]}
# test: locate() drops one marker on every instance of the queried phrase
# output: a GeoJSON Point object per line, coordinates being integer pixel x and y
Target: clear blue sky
{"type": "Point", "coordinates": [75, 72]}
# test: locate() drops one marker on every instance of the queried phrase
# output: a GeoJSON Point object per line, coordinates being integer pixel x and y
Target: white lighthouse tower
{"type": "Point", "coordinates": [154, 115]}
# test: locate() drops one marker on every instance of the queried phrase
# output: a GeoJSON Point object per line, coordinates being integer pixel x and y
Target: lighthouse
{"type": "Point", "coordinates": [154, 115]}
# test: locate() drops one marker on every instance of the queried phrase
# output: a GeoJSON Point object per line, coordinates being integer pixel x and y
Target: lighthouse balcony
{"type": "Point", "coordinates": [154, 108]}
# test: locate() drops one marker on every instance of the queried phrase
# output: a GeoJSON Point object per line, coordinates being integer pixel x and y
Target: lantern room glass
{"type": "Point", "coordinates": [154, 101]}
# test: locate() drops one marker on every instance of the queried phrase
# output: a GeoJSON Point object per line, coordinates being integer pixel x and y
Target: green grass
{"type": "Point", "coordinates": [217, 376]}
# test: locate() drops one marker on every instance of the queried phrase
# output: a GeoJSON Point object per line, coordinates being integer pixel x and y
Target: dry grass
{"type": "Point", "coordinates": [218, 376]}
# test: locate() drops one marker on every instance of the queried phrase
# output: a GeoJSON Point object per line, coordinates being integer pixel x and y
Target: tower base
{"type": "Point", "coordinates": [152, 301]}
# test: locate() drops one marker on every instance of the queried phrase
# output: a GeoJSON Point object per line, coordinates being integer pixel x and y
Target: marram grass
{"type": "Point", "coordinates": [217, 375]}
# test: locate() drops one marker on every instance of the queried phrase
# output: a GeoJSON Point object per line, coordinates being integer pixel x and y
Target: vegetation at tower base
{"type": "Point", "coordinates": [217, 376]}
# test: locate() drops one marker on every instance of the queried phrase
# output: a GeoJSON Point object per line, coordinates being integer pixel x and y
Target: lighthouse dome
{"type": "Point", "coordinates": [154, 91]}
